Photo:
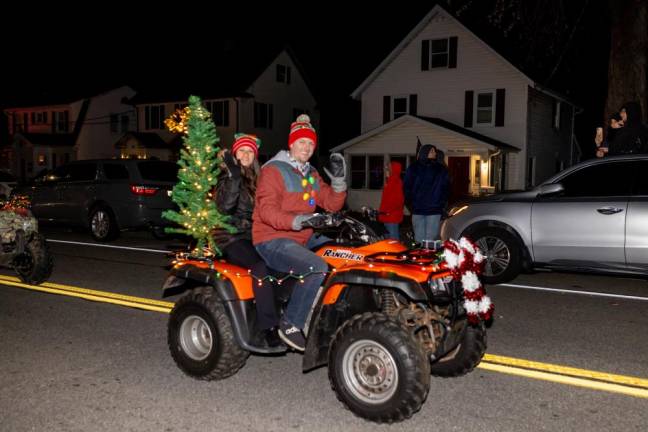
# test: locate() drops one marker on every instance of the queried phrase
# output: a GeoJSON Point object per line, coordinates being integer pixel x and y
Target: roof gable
{"type": "Point", "coordinates": [413, 34]}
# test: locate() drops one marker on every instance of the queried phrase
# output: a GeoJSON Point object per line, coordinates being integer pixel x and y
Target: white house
{"type": "Point", "coordinates": [55, 130]}
{"type": "Point", "coordinates": [443, 85]}
{"type": "Point", "coordinates": [252, 94]}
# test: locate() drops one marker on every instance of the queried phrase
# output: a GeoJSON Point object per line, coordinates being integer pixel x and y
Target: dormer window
{"type": "Point", "coordinates": [283, 73]}
{"type": "Point", "coordinates": [154, 117]}
{"type": "Point", "coordinates": [439, 53]}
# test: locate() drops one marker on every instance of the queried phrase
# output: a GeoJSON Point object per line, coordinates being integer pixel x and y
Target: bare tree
{"type": "Point", "coordinates": [628, 69]}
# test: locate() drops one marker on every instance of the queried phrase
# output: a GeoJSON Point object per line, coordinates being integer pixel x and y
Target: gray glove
{"type": "Point", "coordinates": [337, 172]}
{"type": "Point", "coordinates": [299, 220]}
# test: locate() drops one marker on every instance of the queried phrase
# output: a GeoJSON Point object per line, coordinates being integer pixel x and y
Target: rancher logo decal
{"type": "Point", "coordinates": [342, 254]}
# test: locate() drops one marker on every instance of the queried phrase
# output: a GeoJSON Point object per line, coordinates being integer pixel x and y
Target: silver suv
{"type": "Point", "coordinates": [105, 196]}
{"type": "Point", "coordinates": [591, 217]}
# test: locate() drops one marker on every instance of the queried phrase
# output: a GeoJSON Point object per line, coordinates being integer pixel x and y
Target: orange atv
{"type": "Point", "coordinates": [386, 319]}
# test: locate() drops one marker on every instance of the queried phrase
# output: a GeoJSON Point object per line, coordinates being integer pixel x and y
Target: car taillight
{"type": "Point", "coordinates": [144, 190]}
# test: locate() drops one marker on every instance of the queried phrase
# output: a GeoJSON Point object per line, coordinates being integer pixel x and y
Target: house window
{"type": "Point", "coordinates": [114, 123]}
{"type": "Point", "coordinates": [125, 123]}
{"type": "Point", "coordinates": [439, 53]}
{"type": "Point", "coordinates": [358, 172]}
{"type": "Point", "coordinates": [400, 107]}
{"type": "Point", "coordinates": [39, 117]}
{"type": "Point", "coordinates": [283, 73]}
{"type": "Point", "coordinates": [556, 114]}
{"type": "Point", "coordinates": [376, 171]}
{"type": "Point", "coordinates": [262, 115]}
{"type": "Point", "coordinates": [60, 121]}
{"type": "Point", "coordinates": [219, 111]}
{"type": "Point", "coordinates": [154, 117]}
{"type": "Point", "coordinates": [367, 172]}
{"type": "Point", "coordinates": [180, 106]}
{"type": "Point", "coordinates": [485, 107]}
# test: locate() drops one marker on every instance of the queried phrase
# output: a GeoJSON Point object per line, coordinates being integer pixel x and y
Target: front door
{"type": "Point", "coordinates": [459, 170]}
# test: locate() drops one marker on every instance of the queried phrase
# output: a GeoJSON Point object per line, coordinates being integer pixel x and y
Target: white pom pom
{"type": "Point", "coordinates": [472, 307]}
{"type": "Point", "coordinates": [478, 257]}
{"type": "Point", "coordinates": [470, 281]}
{"type": "Point", "coordinates": [303, 118]}
{"type": "Point", "coordinates": [451, 259]}
{"type": "Point", "coordinates": [484, 304]}
{"type": "Point", "coordinates": [464, 243]}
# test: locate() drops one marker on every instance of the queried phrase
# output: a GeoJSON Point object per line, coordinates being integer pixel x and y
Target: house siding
{"type": "Point", "coordinates": [441, 92]}
{"type": "Point", "coordinates": [548, 145]}
{"type": "Point", "coordinates": [95, 138]}
{"type": "Point", "coordinates": [284, 98]}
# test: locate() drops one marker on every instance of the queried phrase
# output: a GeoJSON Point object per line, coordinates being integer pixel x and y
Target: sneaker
{"type": "Point", "coordinates": [271, 337]}
{"type": "Point", "coordinates": [292, 336]}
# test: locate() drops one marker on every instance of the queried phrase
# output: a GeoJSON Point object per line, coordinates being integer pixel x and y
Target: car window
{"type": "Point", "coordinates": [607, 179]}
{"type": "Point", "coordinates": [82, 172]}
{"type": "Point", "coordinates": [641, 187]}
{"type": "Point", "coordinates": [158, 171]}
{"type": "Point", "coordinates": [115, 171]}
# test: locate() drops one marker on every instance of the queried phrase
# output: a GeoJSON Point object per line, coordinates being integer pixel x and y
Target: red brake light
{"type": "Point", "coordinates": [143, 190]}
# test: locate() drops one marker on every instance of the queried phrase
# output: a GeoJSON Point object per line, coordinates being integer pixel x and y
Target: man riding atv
{"type": "Point", "coordinates": [288, 192]}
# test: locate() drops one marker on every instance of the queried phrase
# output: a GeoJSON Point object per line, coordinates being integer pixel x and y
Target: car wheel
{"type": "Point", "coordinates": [503, 254]}
{"type": "Point", "coordinates": [103, 225]}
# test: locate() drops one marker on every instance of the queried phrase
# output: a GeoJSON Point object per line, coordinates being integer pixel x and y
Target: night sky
{"type": "Point", "coordinates": [338, 46]}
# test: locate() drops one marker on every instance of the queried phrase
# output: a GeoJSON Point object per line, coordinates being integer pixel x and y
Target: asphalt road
{"type": "Point", "coordinates": [74, 365]}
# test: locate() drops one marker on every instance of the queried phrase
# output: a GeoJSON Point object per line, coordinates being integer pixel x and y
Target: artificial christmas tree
{"type": "Point", "coordinates": [197, 177]}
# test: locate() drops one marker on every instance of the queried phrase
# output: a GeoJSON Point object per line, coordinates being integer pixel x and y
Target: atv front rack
{"type": "Point", "coordinates": [411, 256]}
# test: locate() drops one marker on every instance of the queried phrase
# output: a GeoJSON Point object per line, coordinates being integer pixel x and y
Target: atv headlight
{"type": "Point", "coordinates": [456, 210]}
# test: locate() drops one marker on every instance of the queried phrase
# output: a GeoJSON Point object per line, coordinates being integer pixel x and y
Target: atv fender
{"type": "Point", "coordinates": [345, 294]}
{"type": "Point", "coordinates": [184, 278]}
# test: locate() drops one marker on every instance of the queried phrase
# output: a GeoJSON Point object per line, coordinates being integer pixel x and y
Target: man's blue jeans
{"type": "Point", "coordinates": [285, 255]}
{"type": "Point", "coordinates": [392, 230]}
{"type": "Point", "coordinates": [426, 227]}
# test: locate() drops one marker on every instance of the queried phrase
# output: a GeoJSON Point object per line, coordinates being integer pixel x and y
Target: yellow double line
{"type": "Point", "coordinates": [631, 386]}
{"type": "Point", "coordinates": [88, 294]}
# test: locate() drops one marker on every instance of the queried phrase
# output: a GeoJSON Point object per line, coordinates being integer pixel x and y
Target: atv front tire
{"type": "Point", "coordinates": [35, 265]}
{"type": "Point", "coordinates": [201, 338]}
{"type": "Point", "coordinates": [465, 357]}
{"type": "Point", "coordinates": [377, 369]}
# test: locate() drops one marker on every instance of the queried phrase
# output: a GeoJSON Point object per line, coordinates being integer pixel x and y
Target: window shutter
{"type": "Point", "coordinates": [288, 74]}
{"type": "Point", "coordinates": [386, 109]}
{"type": "Point", "coordinates": [500, 103]}
{"type": "Point", "coordinates": [413, 100]}
{"type": "Point", "coordinates": [452, 58]}
{"type": "Point", "coordinates": [425, 55]}
{"type": "Point", "coordinates": [468, 109]}
{"type": "Point", "coordinates": [226, 113]}
{"type": "Point", "coordinates": [147, 117]}
{"type": "Point", "coordinates": [54, 119]}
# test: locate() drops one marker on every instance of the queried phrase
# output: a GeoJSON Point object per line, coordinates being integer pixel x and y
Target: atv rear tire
{"type": "Point", "coordinates": [377, 369]}
{"type": "Point", "coordinates": [465, 357]}
{"type": "Point", "coordinates": [201, 338]}
{"type": "Point", "coordinates": [35, 265]}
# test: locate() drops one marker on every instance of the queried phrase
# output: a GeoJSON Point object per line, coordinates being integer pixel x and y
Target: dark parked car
{"type": "Point", "coordinates": [591, 217]}
{"type": "Point", "coordinates": [105, 196]}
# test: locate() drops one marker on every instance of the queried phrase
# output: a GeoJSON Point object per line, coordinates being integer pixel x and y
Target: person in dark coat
{"type": "Point", "coordinates": [235, 193]}
{"type": "Point", "coordinates": [426, 188]}
{"type": "Point", "coordinates": [632, 138]}
{"type": "Point", "coordinates": [390, 212]}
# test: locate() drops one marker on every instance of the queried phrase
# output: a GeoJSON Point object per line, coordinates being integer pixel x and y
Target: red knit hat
{"type": "Point", "coordinates": [301, 128]}
{"type": "Point", "coordinates": [245, 140]}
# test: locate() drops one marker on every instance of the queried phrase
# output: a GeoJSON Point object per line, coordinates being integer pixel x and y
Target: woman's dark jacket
{"type": "Point", "coordinates": [234, 198]}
